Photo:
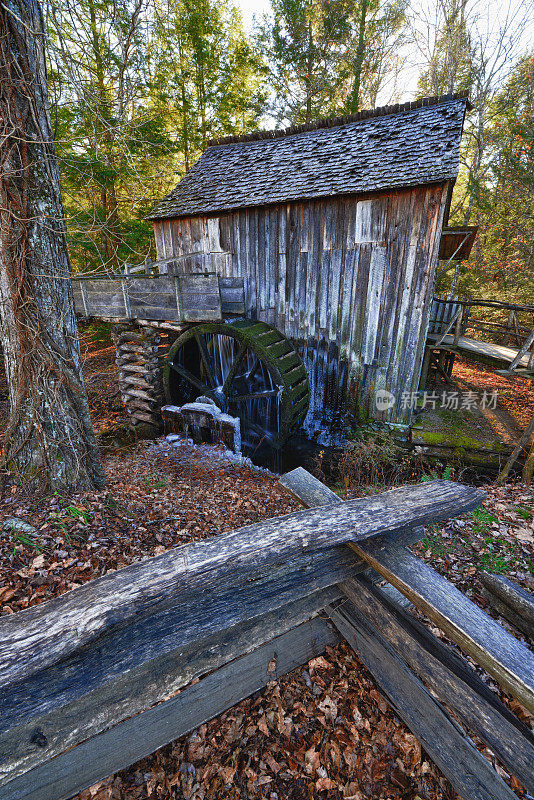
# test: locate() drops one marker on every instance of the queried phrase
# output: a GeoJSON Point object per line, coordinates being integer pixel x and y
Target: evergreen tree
{"type": "Point", "coordinates": [111, 143]}
{"type": "Point", "coordinates": [378, 32]}
{"type": "Point", "coordinates": [210, 76]}
{"type": "Point", "coordinates": [304, 43]}
{"type": "Point", "coordinates": [328, 57]}
{"type": "Point", "coordinates": [138, 90]}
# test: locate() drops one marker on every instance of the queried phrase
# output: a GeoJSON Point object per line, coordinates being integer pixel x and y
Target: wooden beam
{"type": "Point", "coordinates": [452, 680]}
{"type": "Point", "coordinates": [126, 671]}
{"type": "Point", "coordinates": [501, 654]}
{"type": "Point", "coordinates": [141, 735]}
{"type": "Point", "coordinates": [42, 635]}
{"type": "Point", "coordinates": [511, 601]}
{"type": "Point", "coordinates": [459, 760]}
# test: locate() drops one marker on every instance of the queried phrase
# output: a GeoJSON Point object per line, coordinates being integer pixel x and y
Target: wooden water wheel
{"type": "Point", "coordinates": [249, 369]}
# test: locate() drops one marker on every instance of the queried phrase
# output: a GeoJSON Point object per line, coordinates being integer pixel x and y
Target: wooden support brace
{"type": "Point", "coordinates": [527, 344]}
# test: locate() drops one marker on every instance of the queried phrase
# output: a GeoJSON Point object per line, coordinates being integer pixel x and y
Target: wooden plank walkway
{"type": "Point", "coordinates": [483, 351]}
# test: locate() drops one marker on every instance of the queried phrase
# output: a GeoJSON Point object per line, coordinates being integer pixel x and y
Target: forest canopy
{"type": "Point", "coordinates": [139, 87]}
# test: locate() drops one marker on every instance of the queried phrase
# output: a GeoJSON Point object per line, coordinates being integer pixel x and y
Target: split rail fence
{"type": "Point", "coordinates": [104, 675]}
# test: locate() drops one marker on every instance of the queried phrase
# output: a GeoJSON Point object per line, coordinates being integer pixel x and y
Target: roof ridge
{"type": "Point", "coordinates": [334, 122]}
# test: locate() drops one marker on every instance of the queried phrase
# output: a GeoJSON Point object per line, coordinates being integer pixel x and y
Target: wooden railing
{"type": "Point", "coordinates": [512, 326]}
{"type": "Point", "coordinates": [443, 310]}
{"type": "Point", "coordinates": [105, 674]}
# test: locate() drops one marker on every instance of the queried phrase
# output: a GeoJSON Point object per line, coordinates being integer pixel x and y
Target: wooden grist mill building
{"type": "Point", "coordinates": [295, 275]}
{"type": "Point", "coordinates": [335, 228]}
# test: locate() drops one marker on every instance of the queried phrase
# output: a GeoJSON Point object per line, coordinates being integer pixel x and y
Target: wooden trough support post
{"type": "Point", "coordinates": [140, 373]}
{"type": "Point", "coordinates": [526, 348]}
{"type": "Point", "coordinates": [520, 446]}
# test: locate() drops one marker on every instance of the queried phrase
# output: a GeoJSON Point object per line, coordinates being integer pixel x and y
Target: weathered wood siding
{"type": "Point", "coordinates": [349, 279]}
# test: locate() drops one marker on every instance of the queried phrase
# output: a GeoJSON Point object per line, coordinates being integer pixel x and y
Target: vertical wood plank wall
{"type": "Point", "coordinates": [349, 279]}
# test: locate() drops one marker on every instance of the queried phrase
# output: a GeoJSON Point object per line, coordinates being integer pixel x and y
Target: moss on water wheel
{"type": "Point", "coordinates": [249, 369]}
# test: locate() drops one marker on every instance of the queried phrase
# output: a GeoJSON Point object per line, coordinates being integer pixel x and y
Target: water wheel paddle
{"type": "Point", "coordinates": [249, 369]}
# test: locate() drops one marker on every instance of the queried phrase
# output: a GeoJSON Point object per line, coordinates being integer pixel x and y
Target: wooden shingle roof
{"type": "Point", "coordinates": [393, 147]}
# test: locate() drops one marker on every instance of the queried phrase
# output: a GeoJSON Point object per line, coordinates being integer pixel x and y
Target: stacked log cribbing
{"type": "Point", "coordinates": [138, 357]}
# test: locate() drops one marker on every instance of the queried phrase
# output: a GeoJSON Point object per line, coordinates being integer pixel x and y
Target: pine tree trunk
{"type": "Point", "coordinates": [354, 98]}
{"type": "Point", "coordinates": [50, 439]}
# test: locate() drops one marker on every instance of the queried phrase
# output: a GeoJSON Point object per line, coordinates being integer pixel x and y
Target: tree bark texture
{"type": "Point", "coordinates": [50, 438]}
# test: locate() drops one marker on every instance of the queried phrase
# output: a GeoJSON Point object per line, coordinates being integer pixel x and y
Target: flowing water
{"type": "Point", "coordinates": [251, 393]}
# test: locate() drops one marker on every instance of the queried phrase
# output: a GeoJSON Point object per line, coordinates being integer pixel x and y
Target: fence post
{"type": "Point", "coordinates": [458, 326]}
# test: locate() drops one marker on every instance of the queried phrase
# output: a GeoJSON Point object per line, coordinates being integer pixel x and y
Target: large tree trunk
{"type": "Point", "coordinates": [50, 438]}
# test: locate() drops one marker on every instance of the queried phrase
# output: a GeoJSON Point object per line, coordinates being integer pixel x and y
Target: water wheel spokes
{"type": "Point", "coordinates": [206, 358]}
{"type": "Point", "coordinates": [232, 373]}
{"type": "Point", "coordinates": [184, 373]}
{"type": "Point", "coordinates": [249, 369]}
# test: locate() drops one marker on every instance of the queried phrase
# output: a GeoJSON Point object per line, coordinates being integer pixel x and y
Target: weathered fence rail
{"type": "Point", "coordinates": [92, 681]}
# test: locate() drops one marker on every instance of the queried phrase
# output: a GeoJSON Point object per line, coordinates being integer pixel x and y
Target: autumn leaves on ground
{"type": "Point", "coordinates": [323, 731]}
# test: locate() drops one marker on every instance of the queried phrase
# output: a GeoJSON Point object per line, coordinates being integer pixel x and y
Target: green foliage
{"type": "Point", "coordinates": [209, 75]}
{"type": "Point", "coordinates": [525, 512]}
{"type": "Point", "coordinates": [26, 539]}
{"type": "Point", "coordinates": [505, 200]}
{"type": "Point", "coordinates": [78, 514]}
{"type": "Point", "coordinates": [447, 474]}
{"type": "Point", "coordinates": [495, 190]}
{"type": "Point", "coordinates": [478, 546]}
{"type": "Point", "coordinates": [153, 483]}
{"type": "Point", "coordinates": [482, 520]}
{"type": "Point", "coordinates": [98, 332]}
{"type": "Point", "coordinates": [328, 57]}
{"type": "Point", "coordinates": [303, 43]}
{"type": "Point", "coordinates": [137, 90]}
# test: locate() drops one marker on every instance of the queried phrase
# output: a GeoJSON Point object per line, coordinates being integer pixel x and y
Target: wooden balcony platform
{"type": "Point", "coordinates": [494, 355]}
